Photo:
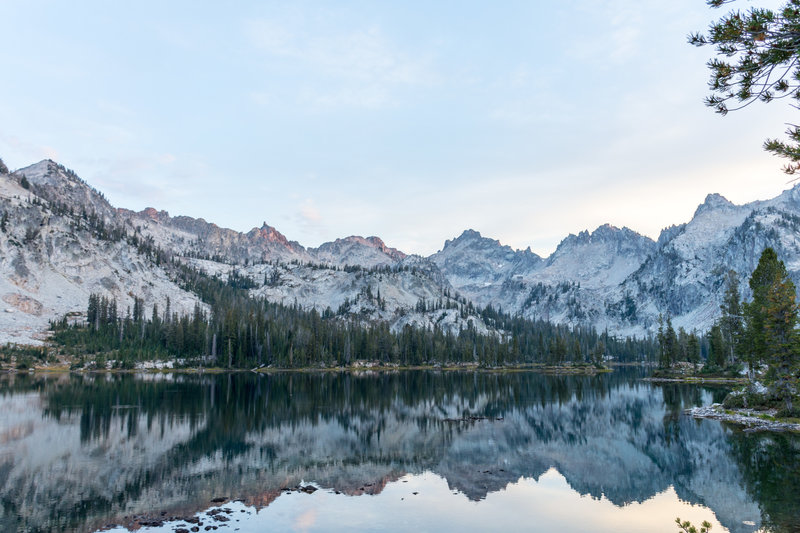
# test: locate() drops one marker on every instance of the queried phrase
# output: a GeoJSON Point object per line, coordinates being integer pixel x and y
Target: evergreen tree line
{"type": "Point", "coordinates": [240, 331]}
{"type": "Point", "coordinates": [676, 346]}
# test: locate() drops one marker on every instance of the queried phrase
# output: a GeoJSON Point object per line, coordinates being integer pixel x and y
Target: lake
{"type": "Point", "coordinates": [387, 451]}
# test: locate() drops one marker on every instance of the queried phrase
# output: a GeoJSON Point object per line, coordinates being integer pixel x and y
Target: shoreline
{"type": "Point", "coordinates": [710, 380]}
{"type": "Point", "coordinates": [587, 370]}
{"type": "Point", "coordinates": [752, 419]}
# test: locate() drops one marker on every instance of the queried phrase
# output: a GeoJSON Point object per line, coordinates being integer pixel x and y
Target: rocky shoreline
{"type": "Point", "coordinates": [752, 419]}
{"type": "Point", "coordinates": [167, 367]}
{"type": "Point", "coordinates": [711, 380]}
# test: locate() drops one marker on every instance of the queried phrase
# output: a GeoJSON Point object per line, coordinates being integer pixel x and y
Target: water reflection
{"type": "Point", "coordinates": [78, 451]}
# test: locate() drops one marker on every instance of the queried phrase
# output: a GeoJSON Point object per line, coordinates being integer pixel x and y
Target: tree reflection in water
{"type": "Point", "coordinates": [78, 451]}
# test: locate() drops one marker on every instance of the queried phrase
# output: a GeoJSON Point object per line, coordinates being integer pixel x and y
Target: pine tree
{"type": "Point", "coordinates": [754, 341]}
{"type": "Point", "coordinates": [663, 358]}
{"type": "Point", "coordinates": [731, 320]}
{"type": "Point", "coordinates": [717, 351]}
{"type": "Point", "coordinates": [599, 351]}
{"type": "Point", "coordinates": [782, 341]}
{"type": "Point", "coordinates": [693, 349]}
{"type": "Point", "coordinates": [683, 345]}
{"type": "Point", "coordinates": [757, 61]}
{"type": "Point", "coordinates": [92, 311]}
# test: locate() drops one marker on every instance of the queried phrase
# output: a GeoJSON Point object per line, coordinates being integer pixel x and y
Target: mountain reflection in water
{"type": "Point", "coordinates": [78, 452]}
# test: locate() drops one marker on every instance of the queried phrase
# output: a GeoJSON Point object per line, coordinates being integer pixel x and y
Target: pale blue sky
{"type": "Point", "coordinates": [408, 120]}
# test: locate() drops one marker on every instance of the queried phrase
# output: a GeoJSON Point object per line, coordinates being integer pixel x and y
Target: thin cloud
{"type": "Point", "coordinates": [363, 67]}
{"type": "Point", "coordinates": [309, 219]}
{"type": "Point", "coordinates": [625, 35]}
{"type": "Point", "coordinates": [310, 213]}
{"type": "Point", "coordinates": [615, 37]}
{"type": "Point", "coordinates": [148, 180]}
{"type": "Point", "coordinates": [24, 152]}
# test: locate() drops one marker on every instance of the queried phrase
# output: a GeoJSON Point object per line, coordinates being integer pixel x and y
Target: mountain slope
{"type": "Point", "coordinates": [597, 260]}
{"type": "Point", "coordinates": [53, 255]}
{"type": "Point", "coordinates": [412, 292]}
{"type": "Point", "coordinates": [617, 279]}
{"type": "Point", "coordinates": [571, 286]}
{"type": "Point", "coordinates": [478, 266]}
{"type": "Point", "coordinates": [196, 237]}
{"type": "Point", "coordinates": [64, 240]}
{"type": "Point", "coordinates": [684, 277]}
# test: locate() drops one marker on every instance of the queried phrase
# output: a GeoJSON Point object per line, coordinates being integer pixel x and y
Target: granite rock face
{"type": "Point", "coordinates": [64, 240]}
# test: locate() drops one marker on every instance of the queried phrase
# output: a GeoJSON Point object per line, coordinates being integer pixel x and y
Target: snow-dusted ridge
{"type": "Point", "coordinates": [54, 256]}
{"type": "Point", "coordinates": [610, 278]}
{"type": "Point", "coordinates": [617, 279]}
{"type": "Point", "coordinates": [50, 260]}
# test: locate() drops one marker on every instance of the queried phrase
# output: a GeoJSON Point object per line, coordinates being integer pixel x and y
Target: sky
{"type": "Point", "coordinates": [409, 120]}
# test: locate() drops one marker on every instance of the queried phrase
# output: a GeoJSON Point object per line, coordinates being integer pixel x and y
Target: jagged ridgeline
{"type": "Point", "coordinates": [163, 287]}
{"type": "Point", "coordinates": [242, 331]}
{"type": "Point", "coordinates": [61, 240]}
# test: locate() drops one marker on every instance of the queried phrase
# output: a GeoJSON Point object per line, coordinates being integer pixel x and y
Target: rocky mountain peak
{"type": "Point", "coordinates": [269, 234]}
{"type": "Point", "coordinates": [154, 214]}
{"type": "Point", "coordinates": [598, 260]}
{"type": "Point", "coordinates": [40, 167]}
{"type": "Point", "coordinates": [471, 239]}
{"type": "Point", "coordinates": [468, 235]}
{"type": "Point", "coordinates": [608, 232]}
{"type": "Point", "coordinates": [372, 242]}
{"type": "Point", "coordinates": [669, 233]}
{"type": "Point", "coordinates": [378, 243]}
{"type": "Point", "coordinates": [472, 260]}
{"type": "Point", "coordinates": [713, 202]}
{"type": "Point", "coordinates": [357, 250]}
{"type": "Point", "coordinates": [56, 183]}
{"type": "Point", "coordinates": [618, 238]}
{"type": "Point", "coordinates": [48, 173]}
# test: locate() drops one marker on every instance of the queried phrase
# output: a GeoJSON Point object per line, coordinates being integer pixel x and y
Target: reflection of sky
{"type": "Point", "coordinates": [547, 504]}
{"type": "Point", "coordinates": [615, 441]}
{"type": "Point", "coordinates": [621, 447]}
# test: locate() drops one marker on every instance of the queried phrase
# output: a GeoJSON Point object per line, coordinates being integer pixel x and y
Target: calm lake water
{"type": "Point", "coordinates": [386, 451]}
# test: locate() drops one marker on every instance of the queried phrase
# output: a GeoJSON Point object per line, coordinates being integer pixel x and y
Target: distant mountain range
{"type": "Point", "coordinates": [62, 241]}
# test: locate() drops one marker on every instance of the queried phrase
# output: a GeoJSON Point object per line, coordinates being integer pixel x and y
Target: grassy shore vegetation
{"type": "Point", "coordinates": [25, 357]}
{"type": "Point", "coordinates": [240, 331]}
{"type": "Point", "coordinates": [759, 336]}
